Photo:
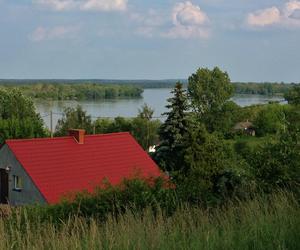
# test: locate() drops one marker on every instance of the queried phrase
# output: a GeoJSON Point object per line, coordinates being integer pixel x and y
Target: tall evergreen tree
{"type": "Point", "coordinates": [169, 153]}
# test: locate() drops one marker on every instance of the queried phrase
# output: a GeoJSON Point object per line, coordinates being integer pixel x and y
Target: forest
{"type": "Point", "coordinates": [82, 91]}
{"type": "Point", "coordinates": [112, 89]}
{"type": "Point", "coordinates": [233, 176]}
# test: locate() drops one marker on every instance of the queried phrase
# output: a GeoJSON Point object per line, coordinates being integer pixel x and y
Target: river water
{"type": "Point", "coordinates": [155, 98]}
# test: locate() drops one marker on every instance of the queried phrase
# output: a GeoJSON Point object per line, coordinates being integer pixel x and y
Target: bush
{"type": "Point", "coordinates": [277, 164]}
{"type": "Point", "coordinates": [131, 194]}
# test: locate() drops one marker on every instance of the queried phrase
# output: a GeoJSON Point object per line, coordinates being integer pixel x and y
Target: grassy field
{"type": "Point", "coordinates": [257, 224]}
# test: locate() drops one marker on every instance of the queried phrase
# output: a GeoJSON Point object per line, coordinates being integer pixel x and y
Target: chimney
{"type": "Point", "coordinates": [78, 135]}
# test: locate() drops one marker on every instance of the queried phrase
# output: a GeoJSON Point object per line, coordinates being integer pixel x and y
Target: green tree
{"type": "Point", "coordinates": [209, 90]}
{"type": "Point", "coordinates": [278, 164]}
{"type": "Point", "coordinates": [103, 126]}
{"type": "Point", "coordinates": [144, 129]}
{"type": "Point", "coordinates": [270, 119]}
{"type": "Point", "coordinates": [118, 124]}
{"type": "Point", "coordinates": [293, 96]}
{"type": "Point", "coordinates": [224, 120]}
{"type": "Point", "coordinates": [172, 131]}
{"type": "Point", "coordinates": [74, 119]}
{"type": "Point", "coordinates": [121, 124]}
{"type": "Point", "coordinates": [212, 169]}
{"type": "Point", "coordinates": [18, 118]}
{"type": "Point", "coordinates": [146, 112]}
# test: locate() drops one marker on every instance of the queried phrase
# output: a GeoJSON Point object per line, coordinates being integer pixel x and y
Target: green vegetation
{"type": "Point", "coordinates": [142, 127]}
{"type": "Point", "coordinates": [18, 118]}
{"type": "Point", "coordinates": [293, 96]}
{"type": "Point", "coordinates": [209, 91]}
{"type": "Point", "coordinates": [265, 88]}
{"type": "Point", "coordinates": [262, 223]}
{"type": "Point", "coordinates": [169, 152]}
{"type": "Point", "coordinates": [76, 91]}
{"type": "Point", "coordinates": [73, 118]}
{"type": "Point", "coordinates": [125, 88]}
{"type": "Point", "coordinates": [226, 188]}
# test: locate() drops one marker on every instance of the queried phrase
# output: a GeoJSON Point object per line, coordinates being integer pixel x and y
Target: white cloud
{"type": "Point", "coordinates": [104, 5]}
{"type": "Point", "coordinates": [291, 14]}
{"type": "Point", "coordinates": [86, 5]}
{"type": "Point", "coordinates": [292, 6]}
{"type": "Point", "coordinates": [188, 14]}
{"type": "Point", "coordinates": [58, 5]}
{"type": "Point", "coordinates": [264, 17]}
{"type": "Point", "coordinates": [287, 16]}
{"type": "Point", "coordinates": [189, 21]}
{"type": "Point", "coordinates": [58, 32]}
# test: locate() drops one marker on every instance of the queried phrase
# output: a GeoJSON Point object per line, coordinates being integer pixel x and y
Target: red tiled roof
{"type": "Point", "coordinates": [58, 166]}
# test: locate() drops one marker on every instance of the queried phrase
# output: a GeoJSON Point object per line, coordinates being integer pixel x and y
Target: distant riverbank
{"type": "Point", "coordinates": [76, 92]}
{"type": "Point", "coordinates": [93, 90]}
{"type": "Point", "coordinates": [155, 98]}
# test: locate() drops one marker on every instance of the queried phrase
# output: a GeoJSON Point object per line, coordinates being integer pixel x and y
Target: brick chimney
{"type": "Point", "coordinates": [78, 135]}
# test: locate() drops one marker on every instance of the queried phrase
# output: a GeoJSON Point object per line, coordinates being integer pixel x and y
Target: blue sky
{"type": "Point", "coordinates": [254, 40]}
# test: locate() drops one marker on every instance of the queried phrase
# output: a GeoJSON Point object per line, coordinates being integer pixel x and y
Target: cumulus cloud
{"type": "Point", "coordinates": [86, 5]}
{"type": "Point", "coordinates": [58, 32]}
{"type": "Point", "coordinates": [292, 6]}
{"type": "Point", "coordinates": [287, 15]}
{"type": "Point", "coordinates": [291, 13]}
{"type": "Point", "coordinates": [264, 17]}
{"type": "Point", "coordinates": [189, 21]}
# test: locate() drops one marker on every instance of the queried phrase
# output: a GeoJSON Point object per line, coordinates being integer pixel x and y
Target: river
{"type": "Point", "coordinates": [155, 98]}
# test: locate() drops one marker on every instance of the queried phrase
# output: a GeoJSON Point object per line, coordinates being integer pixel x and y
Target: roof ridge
{"type": "Point", "coordinates": [108, 134]}
{"type": "Point", "coordinates": [38, 139]}
{"type": "Point", "coordinates": [63, 137]}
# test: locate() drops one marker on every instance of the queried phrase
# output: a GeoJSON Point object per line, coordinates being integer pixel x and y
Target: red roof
{"type": "Point", "coordinates": [59, 166]}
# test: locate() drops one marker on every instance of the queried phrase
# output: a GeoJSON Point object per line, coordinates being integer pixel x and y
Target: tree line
{"type": "Point", "coordinates": [64, 89]}
{"type": "Point", "coordinates": [90, 91]}
{"type": "Point", "coordinates": [264, 88]}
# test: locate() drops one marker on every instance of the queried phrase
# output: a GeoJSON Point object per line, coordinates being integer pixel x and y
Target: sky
{"type": "Point", "coordinates": [253, 40]}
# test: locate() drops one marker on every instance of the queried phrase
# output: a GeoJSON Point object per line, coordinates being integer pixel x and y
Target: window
{"type": "Point", "coordinates": [18, 183]}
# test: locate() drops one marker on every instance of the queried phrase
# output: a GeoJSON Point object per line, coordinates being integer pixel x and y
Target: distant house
{"type": "Point", "coordinates": [245, 127]}
{"type": "Point", "coordinates": [44, 170]}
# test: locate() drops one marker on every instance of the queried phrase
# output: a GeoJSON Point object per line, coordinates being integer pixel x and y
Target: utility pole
{"type": "Point", "coordinates": [51, 124]}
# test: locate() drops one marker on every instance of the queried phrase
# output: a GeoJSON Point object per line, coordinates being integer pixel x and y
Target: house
{"type": "Point", "coordinates": [43, 170]}
{"type": "Point", "coordinates": [245, 127]}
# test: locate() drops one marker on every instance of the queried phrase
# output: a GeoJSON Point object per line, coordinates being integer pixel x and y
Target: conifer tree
{"type": "Point", "coordinates": [169, 152]}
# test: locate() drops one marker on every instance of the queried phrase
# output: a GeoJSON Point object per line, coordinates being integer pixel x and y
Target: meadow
{"type": "Point", "coordinates": [264, 222]}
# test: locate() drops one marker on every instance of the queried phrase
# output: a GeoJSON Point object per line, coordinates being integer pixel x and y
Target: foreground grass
{"type": "Point", "coordinates": [256, 224]}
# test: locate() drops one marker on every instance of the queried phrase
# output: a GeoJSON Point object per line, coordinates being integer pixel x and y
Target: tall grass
{"type": "Point", "coordinates": [262, 223]}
